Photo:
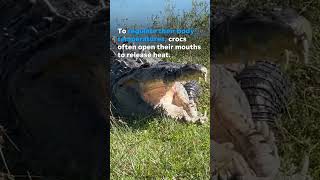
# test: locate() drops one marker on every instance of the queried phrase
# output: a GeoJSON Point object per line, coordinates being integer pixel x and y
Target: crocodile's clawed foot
{"type": "Point", "coordinates": [197, 120]}
{"type": "Point", "coordinates": [202, 119]}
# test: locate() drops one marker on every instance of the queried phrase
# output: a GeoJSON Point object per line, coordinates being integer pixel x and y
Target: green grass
{"type": "Point", "coordinates": [161, 148]}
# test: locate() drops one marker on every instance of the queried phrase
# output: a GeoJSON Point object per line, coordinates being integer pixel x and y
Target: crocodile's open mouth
{"type": "Point", "coordinates": [170, 90]}
{"type": "Point", "coordinates": [162, 86]}
{"type": "Point", "coordinates": [173, 98]}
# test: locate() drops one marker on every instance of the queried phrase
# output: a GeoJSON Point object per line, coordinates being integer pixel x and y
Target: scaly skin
{"type": "Point", "coordinates": [238, 40]}
{"type": "Point", "coordinates": [233, 123]}
{"type": "Point", "coordinates": [241, 147]}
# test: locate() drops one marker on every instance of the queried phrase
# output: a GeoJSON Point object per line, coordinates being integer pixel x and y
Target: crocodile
{"type": "Point", "coordinates": [149, 86]}
{"type": "Point", "coordinates": [53, 91]}
{"type": "Point", "coordinates": [245, 36]}
{"type": "Point", "coordinates": [242, 110]}
{"type": "Point", "coordinates": [247, 100]}
{"type": "Point", "coordinates": [243, 143]}
{"type": "Point", "coordinates": [54, 86]}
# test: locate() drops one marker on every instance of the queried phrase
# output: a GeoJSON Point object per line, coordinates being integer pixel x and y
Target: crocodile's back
{"type": "Point", "coordinates": [267, 90]}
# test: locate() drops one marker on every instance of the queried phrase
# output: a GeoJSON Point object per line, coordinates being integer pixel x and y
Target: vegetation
{"type": "Point", "coordinates": [160, 147]}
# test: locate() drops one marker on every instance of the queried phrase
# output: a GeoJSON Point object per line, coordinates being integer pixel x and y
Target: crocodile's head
{"type": "Point", "coordinates": [161, 85]}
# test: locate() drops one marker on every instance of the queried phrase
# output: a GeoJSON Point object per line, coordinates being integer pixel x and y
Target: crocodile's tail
{"type": "Point", "coordinates": [267, 90]}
